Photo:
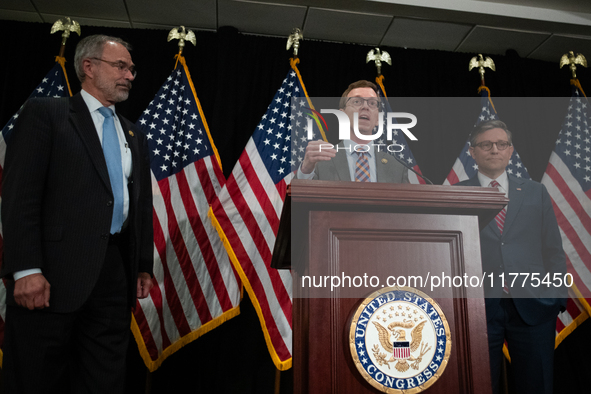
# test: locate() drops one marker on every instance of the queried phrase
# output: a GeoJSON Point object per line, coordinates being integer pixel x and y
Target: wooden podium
{"type": "Point", "coordinates": [383, 230]}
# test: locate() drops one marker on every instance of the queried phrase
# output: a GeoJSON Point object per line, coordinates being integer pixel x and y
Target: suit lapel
{"type": "Point", "coordinates": [341, 164]}
{"type": "Point", "coordinates": [516, 197]}
{"type": "Point", "coordinates": [85, 128]}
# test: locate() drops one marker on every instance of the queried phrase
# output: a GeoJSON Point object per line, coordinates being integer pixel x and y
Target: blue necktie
{"type": "Point", "coordinates": [112, 151]}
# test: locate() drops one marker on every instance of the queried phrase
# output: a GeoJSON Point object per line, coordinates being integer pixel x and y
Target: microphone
{"type": "Point", "coordinates": [410, 168]}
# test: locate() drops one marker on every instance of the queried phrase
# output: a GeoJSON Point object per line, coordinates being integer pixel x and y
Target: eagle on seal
{"type": "Point", "coordinates": [388, 336]}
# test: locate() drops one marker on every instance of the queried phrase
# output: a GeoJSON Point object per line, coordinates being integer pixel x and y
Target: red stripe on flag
{"type": "Point", "coordinates": [264, 249]}
{"type": "Point", "coordinates": [572, 308]}
{"type": "Point", "coordinates": [144, 328]}
{"type": "Point", "coordinates": [169, 286]}
{"type": "Point", "coordinates": [209, 257]}
{"type": "Point", "coordinates": [176, 236]}
{"type": "Point", "coordinates": [452, 178]}
{"type": "Point", "coordinates": [576, 278]}
{"type": "Point", "coordinates": [172, 297]}
{"type": "Point", "coordinates": [260, 242]}
{"type": "Point", "coordinates": [559, 325]}
{"type": "Point", "coordinates": [259, 192]}
{"type": "Point", "coordinates": [573, 236]}
{"type": "Point", "coordinates": [421, 180]}
{"type": "Point", "coordinates": [281, 187]}
{"type": "Point", "coordinates": [569, 196]}
{"type": "Point", "coordinates": [253, 279]}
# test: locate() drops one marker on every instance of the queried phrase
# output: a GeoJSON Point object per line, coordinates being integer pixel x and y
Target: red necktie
{"type": "Point", "coordinates": [500, 218]}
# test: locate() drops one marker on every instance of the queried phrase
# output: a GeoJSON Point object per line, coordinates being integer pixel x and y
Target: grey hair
{"type": "Point", "coordinates": [92, 46]}
{"type": "Point", "coordinates": [485, 126]}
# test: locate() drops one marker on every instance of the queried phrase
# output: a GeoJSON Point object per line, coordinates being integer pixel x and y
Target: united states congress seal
{"type": "Point", "coordinates": [400, 340]}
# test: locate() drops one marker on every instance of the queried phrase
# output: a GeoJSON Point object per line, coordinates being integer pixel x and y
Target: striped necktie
{"type": "Point", "coordinates": [500, 218]}
{"type": "Point", "coordinates": [362, 168]}
{"type": "Point", "coordinates": [112, 151]}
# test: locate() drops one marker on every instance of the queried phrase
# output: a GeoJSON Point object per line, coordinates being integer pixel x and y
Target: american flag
{"type": "Point", "coordinates": [405, 154]}
{"type": "Point", "coordinates": [195, 286]}
{"type": "Point", "coordinates": [568, 180]}
{"type": "Point", "coordinates": [465, 167]}
{"type": "Point", "coordinates": [55, 84]}
{"type": "Point", "coordinates": [249, 208]}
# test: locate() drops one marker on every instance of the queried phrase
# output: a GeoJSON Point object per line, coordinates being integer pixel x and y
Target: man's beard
{"type": "Point", "coordinates": [111, 91]}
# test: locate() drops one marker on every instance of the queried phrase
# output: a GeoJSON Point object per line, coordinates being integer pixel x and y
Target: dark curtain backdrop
{"type": "Point", "coordinates": [236, 77]}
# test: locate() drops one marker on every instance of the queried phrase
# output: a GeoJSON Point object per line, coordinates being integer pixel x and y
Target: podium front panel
{"type": "Point", "coordinates": [386, 246]}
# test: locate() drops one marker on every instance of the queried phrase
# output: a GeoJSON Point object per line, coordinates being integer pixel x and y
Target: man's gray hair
{"type": "Point", "coordinates": [93, 46]}
{"type": "Point", "coordinates": [486, 126]}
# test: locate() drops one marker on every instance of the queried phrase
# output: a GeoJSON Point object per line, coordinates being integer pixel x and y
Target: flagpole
{"type": "Point", "coordinates": [67, 25]}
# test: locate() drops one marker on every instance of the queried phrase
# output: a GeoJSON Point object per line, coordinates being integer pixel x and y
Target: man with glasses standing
{"type": "Point", "coordinates": [524, 239]}
{"type": "Point", "coordinates": [356, 160]}
{"type": "Point", "coordinates": [77, 221]}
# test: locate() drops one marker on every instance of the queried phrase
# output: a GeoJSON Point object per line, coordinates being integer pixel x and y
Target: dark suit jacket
{"type": "Point", "coordinates": [531, 243]}
{"type": "Point", "coordinates": [57, 201]}
{"type": "Point", "coordinates": [388, 170]}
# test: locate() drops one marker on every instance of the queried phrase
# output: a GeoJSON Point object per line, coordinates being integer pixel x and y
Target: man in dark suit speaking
{"type": "Point", "coordinates": [523, 239]}
{"type": "Point", "coordinates": [356, 159]}
{"type": "Point", "coordinates": [77, 220]}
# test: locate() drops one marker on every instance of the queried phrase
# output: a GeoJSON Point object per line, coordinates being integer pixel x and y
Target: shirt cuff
{"type": "Point", "coordinates": [21, 274]}
{"type": "Point", "coordinates": [301, 175]}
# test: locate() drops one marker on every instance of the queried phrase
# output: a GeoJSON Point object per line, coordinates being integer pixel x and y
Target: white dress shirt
{"type": "Point", "coordinates": [93, 105]}
{"type": "Point", "coordinates": [503, 181]}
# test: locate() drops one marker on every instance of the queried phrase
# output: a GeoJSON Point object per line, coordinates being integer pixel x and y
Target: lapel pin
{"type": "Point", "coordinates": [131, 133]}
{"type": "Point", "coordinates": [384, 161]}
{"type": "Point", "coordinates": [519, 188]}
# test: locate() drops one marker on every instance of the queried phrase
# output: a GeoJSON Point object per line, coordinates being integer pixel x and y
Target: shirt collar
{"type": "Point", "coordinates": [350, 148]}
{"type": "Point", "coordinates": [502, 179]}
{"type": "Point", "coordinates": [92, 103]}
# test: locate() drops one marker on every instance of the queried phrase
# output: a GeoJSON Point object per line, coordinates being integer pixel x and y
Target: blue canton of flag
{"type": "Point", "coordinates": [53, 85]}
{"type": "Point", "coordinates": [282, 128]}
{"type": "Point", "coordinates": [573, 145]}
{"type": "Point", "coordinates": [465, 167]}
{"type": "Point", "coordinates": [174, 130]}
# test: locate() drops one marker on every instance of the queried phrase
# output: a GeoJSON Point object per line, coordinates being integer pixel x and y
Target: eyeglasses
{"type": "Point", "coordinates": [121, 66]}
{"type": "Point", "coordinates": [357, 102]}
{"type": "Point", "coordinates": [487, 145]}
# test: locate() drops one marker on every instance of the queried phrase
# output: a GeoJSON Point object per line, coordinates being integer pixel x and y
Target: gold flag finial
{"type": "Point", "coordinates": [294, 39]}
{"type": "Point", "coordinates": [378, 56]}
{"type": "Point", "coordinates": [481, 62]}
{"type": "Point", "coordinates": [572, 60]}
{"type": "Point", "coordinates": [68, 25]}
{"type": "Point", "coordinates": [181, 34]}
